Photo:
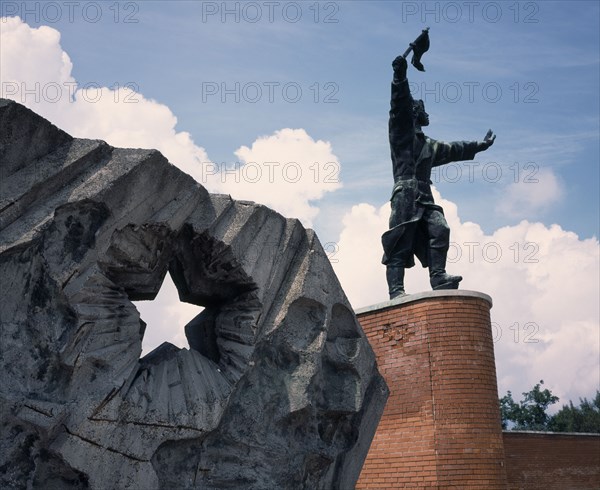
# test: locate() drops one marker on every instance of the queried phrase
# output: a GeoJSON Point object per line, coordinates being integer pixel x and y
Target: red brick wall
{"type": "Point", "coordinates": [441, 425]}
{"type": "Point", "coordinates": [547, 461]}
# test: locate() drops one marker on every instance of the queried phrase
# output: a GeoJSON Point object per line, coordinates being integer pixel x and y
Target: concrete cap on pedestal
{"type": "Point", "coordinates": [411, 298]}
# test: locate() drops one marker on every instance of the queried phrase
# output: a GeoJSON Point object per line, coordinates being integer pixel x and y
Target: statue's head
{"type": "Point", "coordinates": [419, 114]}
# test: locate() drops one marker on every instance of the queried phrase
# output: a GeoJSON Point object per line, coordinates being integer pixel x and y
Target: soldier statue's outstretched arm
{"type": "Point", "coordinates": [458, 151]}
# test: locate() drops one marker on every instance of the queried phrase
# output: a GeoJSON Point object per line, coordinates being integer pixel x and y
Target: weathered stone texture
{"type": "Point", "coordinates": [279, 388]}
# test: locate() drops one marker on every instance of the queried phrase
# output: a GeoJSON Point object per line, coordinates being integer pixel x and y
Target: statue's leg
{"type": "Point", "coordinates": [395, 279]}
{"type": "Point", "coordinates": [439, 242]}
{"type": "Point", "coordinates": [398, 241]}
{"type": "Point", "coordinates": [401, 258]}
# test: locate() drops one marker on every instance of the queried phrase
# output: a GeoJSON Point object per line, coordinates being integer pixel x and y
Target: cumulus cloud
{"type": "Point", "coordinates": [529, 197]}
{"type": "Point", "coordinates": [357, 262]}
{"type": "Point", "coordinates": [36, 72]}
{"type": "Point", "coordinates": [32, 56]}
{"type": "Point", "coordinates": [286, 171]}
{"type": "Point", "coordinates": [544, 282]}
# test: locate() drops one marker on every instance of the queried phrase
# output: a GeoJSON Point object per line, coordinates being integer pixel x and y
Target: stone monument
{"type": "Point", "coordinates": [279, 388]}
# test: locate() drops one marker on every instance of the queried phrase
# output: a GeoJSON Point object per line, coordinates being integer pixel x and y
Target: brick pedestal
{"type": "Point", "coordinates": [441, 425]}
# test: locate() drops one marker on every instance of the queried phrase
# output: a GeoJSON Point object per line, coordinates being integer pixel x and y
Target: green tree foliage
{"type": "Point", "coordinates": [585, 418]}
{"type": "Point", "coordinates": [530, 413]}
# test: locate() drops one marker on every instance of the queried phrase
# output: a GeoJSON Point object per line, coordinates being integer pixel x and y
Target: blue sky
{"type": "Point", "coordinates": [543, 56]}
{"type": "Point", "coordinates": [528, 70]}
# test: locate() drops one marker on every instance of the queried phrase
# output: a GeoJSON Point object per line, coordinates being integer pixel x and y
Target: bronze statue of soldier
{"type": "Point", "coordinates": [417, 224]}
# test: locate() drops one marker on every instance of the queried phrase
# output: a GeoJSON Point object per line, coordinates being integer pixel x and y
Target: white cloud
{"type": "Point", "coordinates": [36, 72]}
{"type": "Point", "coordinates": [544, 282]}
{"type": "Point", "coordinates": [286, 171]}
{"type": "Point", "coordinates": [529, 197]}
{"type": "Point", "coordinates": [32, 56]}
{"type": "Point", "coordinates": [357, 262]}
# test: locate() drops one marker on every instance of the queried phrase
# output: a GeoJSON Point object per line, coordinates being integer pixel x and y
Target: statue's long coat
{"type": "Point", "coordinates": [413, 156]}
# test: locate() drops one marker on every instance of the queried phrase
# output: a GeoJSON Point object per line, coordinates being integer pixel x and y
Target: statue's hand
{"type": "Point", "coordinates": [487, 141]}
{"type": "Point", "coordinates": [399, 65]}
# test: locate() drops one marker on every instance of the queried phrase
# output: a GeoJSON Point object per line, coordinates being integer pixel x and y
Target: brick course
{"type": "Point", "coordinates": [552, 461]}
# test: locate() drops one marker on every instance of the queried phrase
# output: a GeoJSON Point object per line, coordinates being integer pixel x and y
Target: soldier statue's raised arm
{"type": "Point", "coordinates": [417, 224]}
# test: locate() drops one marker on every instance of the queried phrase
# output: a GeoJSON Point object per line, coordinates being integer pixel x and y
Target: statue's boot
{"type": "Point", "coordinates": [395, 280]}
{"type": "Point", "coordinates": [438, 277]}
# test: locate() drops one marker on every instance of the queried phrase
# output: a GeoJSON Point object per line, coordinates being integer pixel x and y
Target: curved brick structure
{"type": "Point", "coordinates": [441, 426]}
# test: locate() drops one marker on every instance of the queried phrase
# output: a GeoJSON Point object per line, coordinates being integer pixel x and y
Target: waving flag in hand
{"type": "Point", "coordinates": [419, 47]}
